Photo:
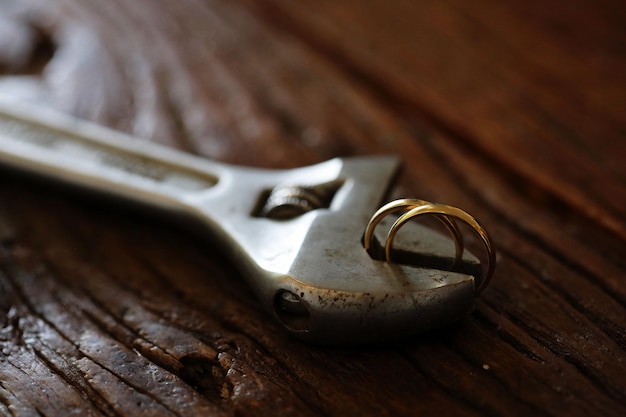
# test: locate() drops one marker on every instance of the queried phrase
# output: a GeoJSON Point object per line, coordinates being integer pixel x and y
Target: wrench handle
{"type": "Point", "coordinates": [84, 154]}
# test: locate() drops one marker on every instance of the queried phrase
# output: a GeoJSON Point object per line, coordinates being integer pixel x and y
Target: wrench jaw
{"type": "Point", "coordinates": [339, 317]}
{"type": "Point", "coordinates": [339, 294]}
{"type": "Point", "coordinates": [326, 288]}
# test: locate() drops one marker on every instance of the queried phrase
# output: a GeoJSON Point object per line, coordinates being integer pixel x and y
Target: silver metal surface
{"type": "Point", "coordinates": [297, 234]}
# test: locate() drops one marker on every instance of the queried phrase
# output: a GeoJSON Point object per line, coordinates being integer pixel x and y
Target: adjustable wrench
{"type": "Point", "coordinates": [296, 234]}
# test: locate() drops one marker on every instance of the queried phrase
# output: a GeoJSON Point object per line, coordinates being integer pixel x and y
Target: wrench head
{"type": "Point", "coordinates": [324, 287]}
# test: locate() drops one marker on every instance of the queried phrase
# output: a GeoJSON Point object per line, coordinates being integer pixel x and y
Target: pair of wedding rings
{"type": "Point", "coordinates": [444, 213]}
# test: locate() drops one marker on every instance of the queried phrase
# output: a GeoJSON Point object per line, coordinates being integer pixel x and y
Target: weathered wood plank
{"type": "Point", "coordinates": [503, 108]}
{"type": "Point", "coordinates": [512, 79]}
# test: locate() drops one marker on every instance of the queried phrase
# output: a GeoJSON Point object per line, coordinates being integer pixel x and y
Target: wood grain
{"type": "Point", "coordinates": [511, 110]}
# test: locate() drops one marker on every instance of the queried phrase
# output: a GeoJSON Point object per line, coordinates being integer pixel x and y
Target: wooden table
{"type": "Point", "coordinates": [513, 110]}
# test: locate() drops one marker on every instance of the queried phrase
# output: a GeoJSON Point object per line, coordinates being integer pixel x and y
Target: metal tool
{"type": "Point", "coordinates": [299, 235]}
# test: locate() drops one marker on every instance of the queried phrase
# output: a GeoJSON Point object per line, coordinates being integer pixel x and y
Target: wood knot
{"type": "Point", "coordinates": [206, 375]}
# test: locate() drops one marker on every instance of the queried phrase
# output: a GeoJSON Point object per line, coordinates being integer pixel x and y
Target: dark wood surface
{"type": "Point", "coordinates": [513, 110]}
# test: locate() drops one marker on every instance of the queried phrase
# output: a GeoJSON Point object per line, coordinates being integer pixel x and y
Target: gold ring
{"type": "Point", "coordinates": [408, 204]}
{"type": "Point", "coordinates": [445, 210]}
